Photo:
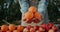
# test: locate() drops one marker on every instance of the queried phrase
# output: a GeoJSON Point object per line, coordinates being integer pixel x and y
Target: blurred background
{"type": "Point", "coordinates": [10, 11]}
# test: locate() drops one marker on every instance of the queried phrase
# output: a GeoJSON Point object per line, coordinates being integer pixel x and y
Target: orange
{"type": "Point", "coordinates": [0, 31]}
{"type": "Point", "coordinates": [8, 31]}
{"type": "Point", "coordinates": [32, 9]}
{"type": "Point", "coordinates": [4, 27]}
{"type": "Point", "coordinates": [28, 15]}
{"type": "Point", "coordinates": [20, 28]}
{"type": "Point", "coordinates": [12, 27]}
{"type": "Point", "coordinates": [16, 31]}
{"type": "Point", "coordinates": [38, 15]}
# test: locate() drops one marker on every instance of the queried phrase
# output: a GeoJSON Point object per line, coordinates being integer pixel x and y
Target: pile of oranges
{"type": "Point", "coordinates": [50, 27]}
{"type": "Point", "coordinates": [11, 28]}
{"type": "Point", "coordinates": [32, 15]}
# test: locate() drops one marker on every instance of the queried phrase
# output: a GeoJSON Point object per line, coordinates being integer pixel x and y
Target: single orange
{"type": "Point", "coordinates": [12, 27]}
{"type": "Point", "coordinates": [0, 30]}
{"type": "Point", "coordinates": [20, 28]}
{"type": "Point", "coordinates": [28, 15]}
{"type": "Point", "coordinates": [38, 15]}
{"type": "Point", "coordinates": [4, 27]}
{"type": "Point", "coordinates": [16, 31]}
{"type": "Point", "coordinates": [8, 31]}
{"type": "Point", "coordinates": [32, 9]}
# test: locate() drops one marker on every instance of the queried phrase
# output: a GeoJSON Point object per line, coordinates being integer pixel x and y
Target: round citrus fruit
{"type": "Point", "coordinates": [15, 31]}
{"type": "Point", "coordinates": [12, 27]}
{"type": "Point", "coordinates": [4, 27]}
{"type": "Point", "coordinates": [28, 15]}
{"type": "Point", "coordinates": [32, 9]}
{"type": "Point", "coordinates": [8, 31]}
{"type": "Point", "coordinates": [38, 15]}
{"type": "Point", "coordinates": [0, 30]}
{"type": "Point", "coordinates": [20, 28]}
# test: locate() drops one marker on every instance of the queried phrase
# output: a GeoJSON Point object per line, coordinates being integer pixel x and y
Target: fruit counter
{"type": "Point", "coordinates": [33, 20]}
{"type": "Point", "coordinates": [50, 27]}
{"type": "Point", "coordinates": [31, 16]}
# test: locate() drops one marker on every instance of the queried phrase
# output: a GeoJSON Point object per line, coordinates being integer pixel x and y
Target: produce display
{"type": "Point", "coordinates": [50, 27]}
{"type": "Point", "coordinates": [10, 13]}
{"type": "Point", "coordinates": [32, 15]}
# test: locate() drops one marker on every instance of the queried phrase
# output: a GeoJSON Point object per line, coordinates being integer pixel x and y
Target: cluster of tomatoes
{"type": "Point", "coordinates": [50, 27]}
{"type": "Point", "coordinates": [32, 15]}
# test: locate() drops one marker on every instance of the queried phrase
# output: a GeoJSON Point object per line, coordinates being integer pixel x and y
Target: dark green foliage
{"type": "Point", "coordinates": [53, 10]}
{"type": "Point", "coordinates": [12, 13]}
